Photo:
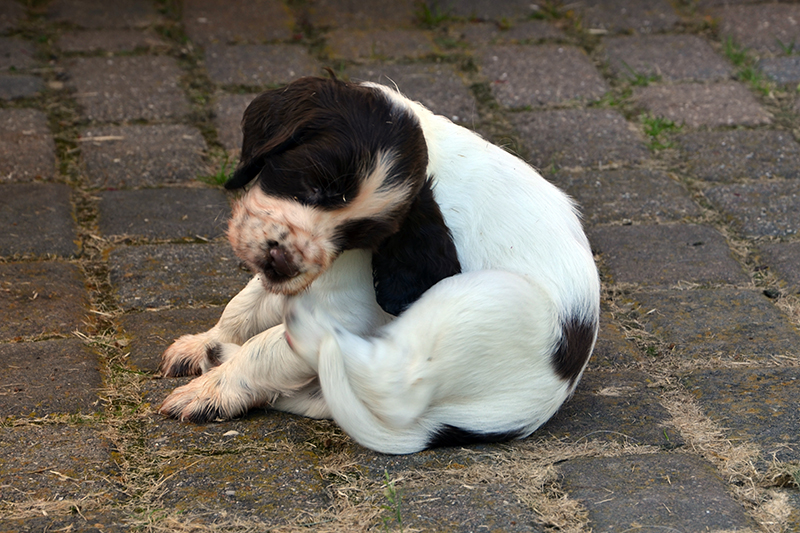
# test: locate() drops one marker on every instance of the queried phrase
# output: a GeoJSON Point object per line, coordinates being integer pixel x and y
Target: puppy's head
{"type": "Point", "coordinates": [337, 167]}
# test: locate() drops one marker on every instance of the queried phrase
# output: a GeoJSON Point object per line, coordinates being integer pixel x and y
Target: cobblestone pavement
{"type": "Point", "coordinates": [674, 123]}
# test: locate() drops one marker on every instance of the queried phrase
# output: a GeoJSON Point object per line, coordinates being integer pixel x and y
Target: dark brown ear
{"type": "Point", "coordinates": [273, 123]}
{"type": "Point", "coordinates": [414, 259]}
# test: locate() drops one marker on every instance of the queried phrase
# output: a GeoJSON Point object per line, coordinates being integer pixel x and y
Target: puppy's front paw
{"type": "Point", "coordinates": [192, 355]}
{"type": "Point", "coordinates": [306, 326]}
{"type": "Point", "coordinates": [205, 399]}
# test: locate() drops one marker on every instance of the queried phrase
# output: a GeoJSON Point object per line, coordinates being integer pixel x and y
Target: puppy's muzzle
{"type": "Point", "coordinates": [278, 263]}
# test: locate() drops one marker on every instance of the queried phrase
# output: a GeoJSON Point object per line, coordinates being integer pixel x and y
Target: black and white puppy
{"type": "Point", "coordinates": [415, 283]}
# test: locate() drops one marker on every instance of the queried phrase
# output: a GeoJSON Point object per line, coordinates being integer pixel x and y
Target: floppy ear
{"type": "Point", "coordinates": [414, 259]}
{"type": "Point", "coordinates": [273, 123]}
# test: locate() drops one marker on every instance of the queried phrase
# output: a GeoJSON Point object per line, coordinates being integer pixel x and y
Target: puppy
{"type": "Point", "coordinates": [415, 283]}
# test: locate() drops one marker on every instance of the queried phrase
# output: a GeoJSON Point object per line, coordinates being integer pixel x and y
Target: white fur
{"type": "Point", "coordinates": [474, 352]}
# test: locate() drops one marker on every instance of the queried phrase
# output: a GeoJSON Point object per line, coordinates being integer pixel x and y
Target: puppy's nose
{"type": "Point", "coordinates": [280, 263]}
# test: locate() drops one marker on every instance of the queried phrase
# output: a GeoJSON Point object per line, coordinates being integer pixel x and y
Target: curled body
{"type": "Point", "coordinates": [414, 282]}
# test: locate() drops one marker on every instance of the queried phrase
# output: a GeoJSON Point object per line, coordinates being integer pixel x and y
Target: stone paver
{"type": "Point", "coordinates": [152, 332]}
{"type": "Point", "coordinates": [579, 138]}
{"type": "Point", "coordinates": [128, 87]}
{"type": "Point", "coordinates": [268, 486]}
{"type": "Point", "coordinates": [731, 324]}
{"type": "Point", "coordinates": [762, 27]}
{"type": "Point", "coordinates": [540, 75]}
{"type": "Point", "coordinates": [526, 32]}
{"type": "Point", "coordinates": [38, 219]}
{"type": "Point", "coordinates": [438, 87]}
{"type": "Point", "coordinates": [119, 40]}
{"type": "Point", "coordinates": [259, 65]}
{"type": "Point", "coordinates": [362, 45]}
{"type": "Point", "coordinates": [13, 87]}
{"type": "Point", "coordinates": [678, 492]}
{"type": "Point", "coordinates": [41, 298]}
{"type": "Point", "coordinates": [152, 276]}
{"type": "Point", "coordinates": [52, 462]}
{"type": "Point", "coordinates": [459, 508]}
{"type": "Point", "coordinates": [669, 57]}
{"type": "Point", "coordinates": [208, 21]}
{"type": "Point", "coordinates": [164, 213]}
{"type": "Point", "coordinates": [11, 13]}
{"type": "Point", "coordinates": [737, 154]}
{"type": "Point", "coordinates": [760, 209]}
{"type": "Point", "coordinates": [16, 54]}
{"type": "Point", "coordinates": [359, 14]}
{"type": "Point", "coordinates": [620, 16]}
{"type": "Point", "coordinates": [634, 195]}
{"type": "Point", "coordinates": [49, 377]}
{"type": "Point", "coordinates": [666, 254]}
{"type": "Point", "coordinates": [27, 150]}
{"type": "Point", "coordinates": [754, 404]}
{"type": "Point", "coordinates": [719, 104]}
{"type": "Point", "coordinates": [142, 156]}
{"type": "Point", "coordinates": [486, 9]}
{"type": "Point", "coordinates": [784, 259]}
{"type": "Point", "coordinates": [618, 406]}
{"type": "Point", "coordinates": [228, 111]}
{"type": "Point", "coordinates": [100, 14]}
{"type": "Point", "coordinates": [781, 69]}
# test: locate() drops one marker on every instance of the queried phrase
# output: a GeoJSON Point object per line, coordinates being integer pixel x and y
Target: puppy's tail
{"type": "Point", "coordinates": [353, 416]}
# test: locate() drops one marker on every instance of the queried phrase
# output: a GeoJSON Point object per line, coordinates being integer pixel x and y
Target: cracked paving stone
{"type": "Point", "coordinates": [527, 32]}
{"type": "Point", "coordinates": [119, 40]}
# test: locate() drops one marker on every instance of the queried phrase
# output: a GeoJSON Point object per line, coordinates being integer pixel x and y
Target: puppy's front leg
{"type": "Point", "coordinates": [258, 373]}
{"type": "Point", "coordinates": [251, 311]}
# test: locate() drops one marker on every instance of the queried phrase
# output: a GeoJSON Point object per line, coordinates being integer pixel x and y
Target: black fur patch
{"type": "Point", "coordinates": [574, 349]}
{"type": "Point", "coordinates": [448, 436]}
{"type": "Point", "coordinates": [213, 353]}
{"type": "Point", "coordinates": [316, 139]}
{"type": "Point", "coordinates": [416, 257]}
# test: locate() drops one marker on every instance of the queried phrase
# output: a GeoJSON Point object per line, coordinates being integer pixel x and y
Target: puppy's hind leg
{"type": "Point", "coordinates": [251, 311]}
{"type": "Point", "coordinates": [471, 361]}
